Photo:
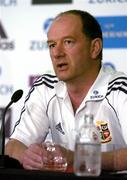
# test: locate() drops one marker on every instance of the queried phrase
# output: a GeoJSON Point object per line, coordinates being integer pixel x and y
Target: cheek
{"type": "Point", "coordinates": [80, 51]}
{"type": "Point", "coordinates": [81, 60]}
{"type": "Point", "coordinates": [80, 56]}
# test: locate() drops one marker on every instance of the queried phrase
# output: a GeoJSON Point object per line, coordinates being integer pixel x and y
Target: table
{"type": "Point", "coordinates": [12, 170]}
{"type": "Point", "coordinates": [22, 174]}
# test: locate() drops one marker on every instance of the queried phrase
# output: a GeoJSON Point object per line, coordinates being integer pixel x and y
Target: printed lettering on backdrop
{"type": "Point", "coordinates": [23, 50]}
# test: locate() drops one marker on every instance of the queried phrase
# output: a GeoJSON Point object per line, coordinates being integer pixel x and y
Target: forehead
{"type": "Point", "coordinates": [68, 23]}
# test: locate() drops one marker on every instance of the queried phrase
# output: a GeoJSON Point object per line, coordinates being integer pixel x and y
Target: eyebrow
{"type": "Point", "coordinates": [65, 37]}
{"type": "Point", "coordinates": [50, 41]}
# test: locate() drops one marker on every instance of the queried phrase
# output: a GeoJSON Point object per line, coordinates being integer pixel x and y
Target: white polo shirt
{"type": "Point", "coordinates": [47, 106]}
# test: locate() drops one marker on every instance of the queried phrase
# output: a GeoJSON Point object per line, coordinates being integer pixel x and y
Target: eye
{"type": "Point", "coordinates": [69, 42]}
{"type": "Point", "coordinates": [51, 45]}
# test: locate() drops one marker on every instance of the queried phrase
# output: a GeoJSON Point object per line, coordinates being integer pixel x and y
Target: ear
{"type": "Point", "coordinates": [96, 47]}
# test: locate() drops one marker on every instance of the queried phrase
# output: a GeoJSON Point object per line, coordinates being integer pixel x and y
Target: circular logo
{"type": "Point", "coordinates": [47, 24]}
{"type": "Point", "coordinates": [112, 66]}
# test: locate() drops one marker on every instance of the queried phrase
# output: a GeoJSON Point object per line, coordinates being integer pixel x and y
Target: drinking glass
{"type": "Point", "coordinates": [54, 159]}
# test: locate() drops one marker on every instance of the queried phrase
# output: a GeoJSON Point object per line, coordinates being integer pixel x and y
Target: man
{"type": "Point", "coordinates": [58, 102]}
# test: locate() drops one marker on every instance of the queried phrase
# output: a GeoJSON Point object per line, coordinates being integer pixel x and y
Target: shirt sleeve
{"type": "Point", "coordinates": [122, 112]}
{"type": "Point", "coordinates": [33, 125]}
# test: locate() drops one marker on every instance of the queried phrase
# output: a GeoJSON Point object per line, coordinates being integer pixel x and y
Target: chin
{"type": "Point", "coordinates": [62, 78]}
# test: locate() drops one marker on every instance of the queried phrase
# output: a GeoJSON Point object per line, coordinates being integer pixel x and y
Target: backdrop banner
{"type": "Point", "coordinates": [23, 50]}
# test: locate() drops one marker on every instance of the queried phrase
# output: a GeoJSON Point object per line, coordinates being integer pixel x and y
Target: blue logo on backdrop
{"type": "Point", "coordinates": [36, 45]}
{"type": "Point", "coordinates": [109, 64]}
{"type": "Point", "coordinates": [114, 31]}
{"type": "Point", "coordinates": [47, 24]}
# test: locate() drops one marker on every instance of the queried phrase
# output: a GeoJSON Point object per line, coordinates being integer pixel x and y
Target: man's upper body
{"type": "Point", "coordinates": [106, 100]}
{"type": "Point", "coordinates": [59, 104]}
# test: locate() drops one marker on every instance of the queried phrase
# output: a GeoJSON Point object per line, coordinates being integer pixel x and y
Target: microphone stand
{"type": "Point", "coordinates": [5, 160]}
{"type": "Point", "coordinates": [2, 132]}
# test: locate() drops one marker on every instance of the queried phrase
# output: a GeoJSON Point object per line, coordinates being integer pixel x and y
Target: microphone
{"type": "Point", "coordinates": [3, 159]}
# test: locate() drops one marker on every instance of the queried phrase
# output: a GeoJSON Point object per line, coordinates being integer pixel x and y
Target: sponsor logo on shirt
{"type": "Point", "coordinates": [96, 95]}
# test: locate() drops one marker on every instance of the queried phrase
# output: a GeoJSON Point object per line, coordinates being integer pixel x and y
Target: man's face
{"type": "Point", "coordinates": [70, 49]}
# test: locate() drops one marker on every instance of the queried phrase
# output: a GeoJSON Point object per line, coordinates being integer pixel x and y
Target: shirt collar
{"type": "Point", "coordinates": [97, 91]}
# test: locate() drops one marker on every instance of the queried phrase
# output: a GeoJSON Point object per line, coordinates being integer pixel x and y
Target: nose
{"type": "Point", "coordinates": [58, 51]}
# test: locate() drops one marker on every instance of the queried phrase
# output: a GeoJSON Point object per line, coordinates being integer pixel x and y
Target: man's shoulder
{"type": "Point", "coordinates": [117, 82]}
{"type": "Point", "coordinates": [47, 80]}
{"type": "Point", "coordinates": [118, 76]}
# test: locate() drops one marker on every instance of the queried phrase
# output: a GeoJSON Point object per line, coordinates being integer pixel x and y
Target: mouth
{"type": "Point", "coordinates": [62, 66]}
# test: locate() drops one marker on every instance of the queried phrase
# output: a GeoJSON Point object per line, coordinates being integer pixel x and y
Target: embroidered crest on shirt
{"type": "Point", "coordinates": [59, 128]}
{"type": "Point", "coordinates": [104, 131]}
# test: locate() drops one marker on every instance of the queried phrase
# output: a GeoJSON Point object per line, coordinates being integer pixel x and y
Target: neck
{"type": "Point", "coordinates": [78, 93]}
{"type": "Point", "coordinates": [78, 89]}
